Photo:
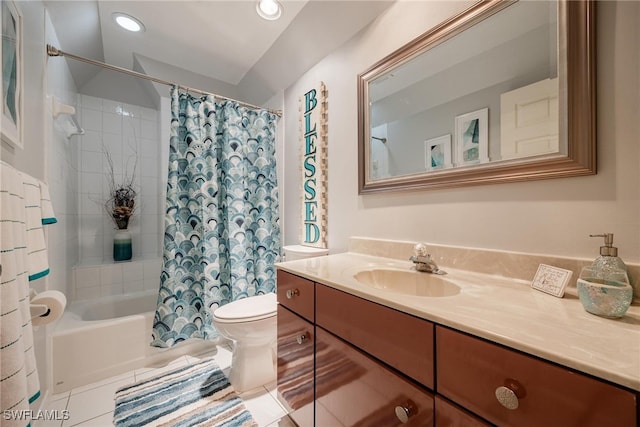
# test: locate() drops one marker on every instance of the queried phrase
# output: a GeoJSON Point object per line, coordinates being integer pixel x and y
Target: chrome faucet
{"type": "Point", "coordinates": [423, 261]}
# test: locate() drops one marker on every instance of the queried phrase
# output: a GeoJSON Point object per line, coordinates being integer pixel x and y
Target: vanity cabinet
{"type": "Point", "coordinates": [297, 294]}
{"type": "Point", "coordinates": [450, 415]}
{"type": "Point", "coordinates": [509, 388]}
{"type": "Point", "coordinates": [344, 360]}
{"type": "Point", "coordinates": [296, 347]}
{"type": "Point", "coordinates": [398, 339]}
{"type": "Point", "coordinates": [296, 366]}
{"type": "Point", "coordinates": [353, 389]}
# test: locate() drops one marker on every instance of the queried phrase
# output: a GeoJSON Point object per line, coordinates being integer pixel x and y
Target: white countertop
{"type": "Point", "coordinates": [502, 310]}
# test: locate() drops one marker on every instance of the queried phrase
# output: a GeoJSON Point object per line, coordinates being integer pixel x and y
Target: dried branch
{"type": "Point", "coordinates": [121, 203]}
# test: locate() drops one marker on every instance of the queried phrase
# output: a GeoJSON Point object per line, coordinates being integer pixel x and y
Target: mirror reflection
{"type": "Point", "coordinates": [482, 97]}
{"type": "Point", "coordinates": [488, 94]}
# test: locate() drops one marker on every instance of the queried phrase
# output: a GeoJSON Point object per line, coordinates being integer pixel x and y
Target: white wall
{"type": "Point", "coordinates": [49, 156]}
{"type": "Point", "coordinates": [118, 87]}
{"type": "Point", "coordinates": [62, 176]}
{"type": "Point", "coordinates": [551, 217]}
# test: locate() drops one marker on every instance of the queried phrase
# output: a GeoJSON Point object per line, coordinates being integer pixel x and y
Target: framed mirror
{"type": "Point", "coordinates": [503, 92]}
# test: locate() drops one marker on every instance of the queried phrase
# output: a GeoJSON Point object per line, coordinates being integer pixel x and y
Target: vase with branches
{"type": "Point", "coordinates": [120, 206]}
{"type": "Point", "coordinates": [121, 203]}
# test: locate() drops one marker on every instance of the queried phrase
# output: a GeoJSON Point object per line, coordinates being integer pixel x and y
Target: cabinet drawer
{"type": "Point", "coordinates": [470, 370]}
{"type": "Point", "coordinates": [353, 389]}
{"type": "Point", "coordinates": [296, 294]}
{"type": "Point", "coordinates": [403, 341]}
{"type": "Point", "coordinates": [295, 366]}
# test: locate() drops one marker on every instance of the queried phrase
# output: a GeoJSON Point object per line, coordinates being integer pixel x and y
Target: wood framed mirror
{"type": "Point", "coordinates": [502, 92]}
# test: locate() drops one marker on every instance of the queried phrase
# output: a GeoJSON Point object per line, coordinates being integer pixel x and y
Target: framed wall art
{"type": "Point", "coordinates": [472, 137]}
{"type": "Point", "coordinates": [12, 68]}
{"type": "Point", "coordinates": [438, 153]}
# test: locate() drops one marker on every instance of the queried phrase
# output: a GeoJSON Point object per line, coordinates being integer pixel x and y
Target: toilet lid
{"type": "Point", "coordinates": [252, 308]}
{"type": "Point", "coordinates": [304, 250]}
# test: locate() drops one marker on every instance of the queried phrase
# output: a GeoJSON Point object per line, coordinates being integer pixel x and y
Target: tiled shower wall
{"type": "Point", "coordinates": [131, 136]}
{"type": "Point", "coordinates": [101, 280]}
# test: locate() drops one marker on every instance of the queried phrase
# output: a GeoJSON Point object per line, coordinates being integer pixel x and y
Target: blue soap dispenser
{"type": "Point", "coordinates": [608, 259]}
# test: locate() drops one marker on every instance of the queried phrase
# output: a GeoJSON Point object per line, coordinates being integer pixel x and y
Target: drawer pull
{"type": "Point", "coordinates": [405, 412]}
{"type": "Point", "coordinates": [301, 339]}
{"type": "Point", "coordinates": [292, 293]}
{"type": "Point", "coordinates": [507, 397]}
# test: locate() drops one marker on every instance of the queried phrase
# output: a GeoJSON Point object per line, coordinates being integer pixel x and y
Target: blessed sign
{"type": "Point", "coordinates": [313, 136]}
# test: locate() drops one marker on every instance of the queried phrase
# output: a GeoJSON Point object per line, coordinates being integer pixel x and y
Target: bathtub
{"type": "Point", "coordinates": [102, 338]}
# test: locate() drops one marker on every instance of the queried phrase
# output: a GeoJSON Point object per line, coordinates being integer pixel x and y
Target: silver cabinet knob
{"type": "Point", "coordinates": [404, 412]}
{"type": "Point", "coordinates": [292, 293]}
{"type": "Point", "coordinates": [507, 397]}
{"type": "Point", "coordinates": [301, 339]}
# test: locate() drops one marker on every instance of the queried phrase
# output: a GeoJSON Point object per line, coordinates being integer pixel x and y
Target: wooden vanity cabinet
{"type": "Point", "coordinates": [297, 294]}
{"type": "Point", "coordinates": [296, 366]}
{"type": "Point", "coordinates": [296, 347]}
{"type": "Point", "coordinates": [473, 372]}
{"type": "Point", "coordinates": [353, 389]}
{"type": "Point", "coordinates": [451, 415]}
{"type": "Point", "coordinates": [398, 339]}
{"type": "Point", "coordinates": [347, 361]}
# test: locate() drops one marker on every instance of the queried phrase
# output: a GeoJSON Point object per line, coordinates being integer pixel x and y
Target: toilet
{"type": "Point", "coordinates": [251, 324]}
{"type": "Point", "coordinates": [294, 252]}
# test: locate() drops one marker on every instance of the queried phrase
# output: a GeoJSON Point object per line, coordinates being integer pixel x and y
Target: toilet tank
{"type": "Point", "coordinates": [294, 252]}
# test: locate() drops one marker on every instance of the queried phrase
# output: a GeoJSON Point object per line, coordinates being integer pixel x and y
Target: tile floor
{"type": "Point", "coordinates": [92, 405]}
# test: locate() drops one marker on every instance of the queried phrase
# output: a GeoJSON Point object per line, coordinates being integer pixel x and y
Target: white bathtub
{"type": "Point", "coordinates": [101, 338]}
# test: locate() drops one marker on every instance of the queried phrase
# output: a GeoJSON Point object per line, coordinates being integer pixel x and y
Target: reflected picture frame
{"type": "Point", "coordinates": [11, 72]}
{"type": "Point", "coordinates": [472, 137]}
{"type": "Point", "coordinates": [438, 153]}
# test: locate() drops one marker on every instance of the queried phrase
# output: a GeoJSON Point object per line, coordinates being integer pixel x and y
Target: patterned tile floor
{"type": "Point", "coordinates": [92, 405]}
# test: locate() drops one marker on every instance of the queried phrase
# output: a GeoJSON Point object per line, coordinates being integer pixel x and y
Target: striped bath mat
{"type": "Point", "coordinates": [194, 395]}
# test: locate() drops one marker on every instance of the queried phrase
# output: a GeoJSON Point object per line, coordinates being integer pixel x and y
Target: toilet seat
{"type": "Point", "coordinates": [247, 309]}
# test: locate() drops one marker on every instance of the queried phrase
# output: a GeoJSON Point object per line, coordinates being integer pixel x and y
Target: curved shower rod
{"type": "Point", "coordinates": [53, 51]}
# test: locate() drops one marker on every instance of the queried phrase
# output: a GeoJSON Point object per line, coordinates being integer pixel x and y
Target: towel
{"type": "Point", "coordinates": [19, 383]}
{"type": "Point", "coordinates": [37, 214]}
{"type": "Point", "coordinates": [48, 217]}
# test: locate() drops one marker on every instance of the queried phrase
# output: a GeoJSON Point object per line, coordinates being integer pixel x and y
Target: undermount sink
{"type": "Point", "coordinates": [407, 282]}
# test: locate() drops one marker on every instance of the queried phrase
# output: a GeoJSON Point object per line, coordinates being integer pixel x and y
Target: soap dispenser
{"type": "Point", "coordinates": [608, 259]}
{"type": "Point", "coordinates": [603, 287]}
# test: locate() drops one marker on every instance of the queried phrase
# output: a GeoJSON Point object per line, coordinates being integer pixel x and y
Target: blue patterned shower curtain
{"type": "Point", "coordinates": [222, 234]}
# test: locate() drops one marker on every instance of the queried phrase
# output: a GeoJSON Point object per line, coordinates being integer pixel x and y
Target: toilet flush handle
{"type": "Point", "coordinates": [292, 293]}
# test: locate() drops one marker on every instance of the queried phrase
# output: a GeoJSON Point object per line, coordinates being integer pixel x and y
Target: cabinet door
{"type": "Point", "coordinates": [353, 389]}
{"type": "Point", "coordinates": [509, 388]}
{"type": "Point", "coordinates": [297, 294]}
{"type": "Point", "coordinates": [450, 415]}
{"type": "Point", "coordinates": [295, 366]}
{"type": "Point", "coordinates": [398, 339]}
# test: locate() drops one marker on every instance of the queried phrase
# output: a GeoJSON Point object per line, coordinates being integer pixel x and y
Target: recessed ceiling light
{"type": "Point", "coordinates": [128, 22]}
{"type": "Point", "coordinates": [269, 9]}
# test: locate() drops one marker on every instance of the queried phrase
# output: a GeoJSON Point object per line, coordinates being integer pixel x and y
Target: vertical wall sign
{"type": "Point", "coordinates": [313, 157]}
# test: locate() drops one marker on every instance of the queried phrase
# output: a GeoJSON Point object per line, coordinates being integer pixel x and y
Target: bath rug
{"type": "Point", "coordinates": [194, 395]}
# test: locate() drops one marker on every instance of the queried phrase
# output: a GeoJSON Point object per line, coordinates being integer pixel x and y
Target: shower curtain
{"type": "Point", "coordinates": [222, 234]}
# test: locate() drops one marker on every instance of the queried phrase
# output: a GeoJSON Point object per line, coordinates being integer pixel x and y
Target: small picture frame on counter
{"type": "Point", "coordinates": [551, 280]}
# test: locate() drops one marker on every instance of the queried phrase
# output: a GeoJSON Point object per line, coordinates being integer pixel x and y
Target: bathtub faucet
{"type": "Point", "coordinates": [423, 262]}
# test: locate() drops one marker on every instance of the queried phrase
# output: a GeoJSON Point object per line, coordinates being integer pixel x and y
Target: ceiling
{"type": "Point", "coordinates": [225, 42]}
